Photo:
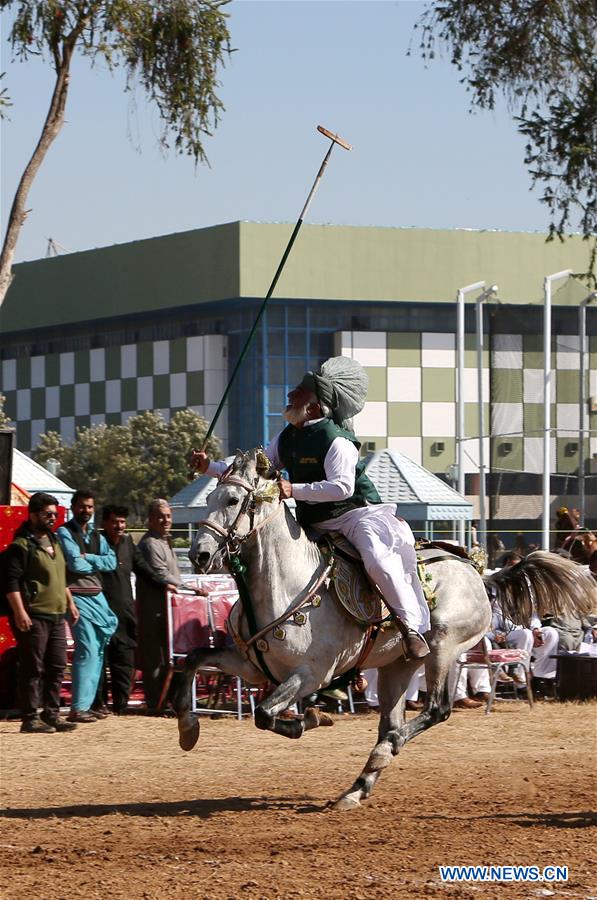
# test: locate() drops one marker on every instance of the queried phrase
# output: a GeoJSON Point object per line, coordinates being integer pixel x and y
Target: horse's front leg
{"type": "Point", "coordinates": [228, 661]}
{"type": "Point", "coordinates": [296, 686]}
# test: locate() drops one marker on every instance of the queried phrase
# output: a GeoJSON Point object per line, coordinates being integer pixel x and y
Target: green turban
{"type": "Point", "coordinates": [341, 384]}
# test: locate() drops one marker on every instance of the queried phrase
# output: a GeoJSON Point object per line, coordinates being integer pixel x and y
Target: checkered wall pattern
{"type": "Point", "coordinates": [411, 405]}
{"type": "Point", "coordinates": [63, 391]}
{"type": "Point", "coordinates": [517, 398]}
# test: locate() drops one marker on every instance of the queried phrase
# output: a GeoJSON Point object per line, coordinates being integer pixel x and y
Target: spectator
{"type": "Point", "coordinates": [475, 679]}
{"type": "Point", "coordinates": [412, 702]}
{"type": "Point", "coordinates": [571, 630]}
{"type": "Point", "coordinates": [118, 590]}
{"type": "Point", "coordinates": [39, 600]}
{"type": "Point", "coordinates": [521, 545]}
{"type": "Point", "coordinates": [581, 545]}
{"type": "Point", "coordinates": [474, 534]}
{"type": "Point", "coordinates": [156, 548]}
{"type": "Point", "coordinates": [545, 645]}
{"type": "Point", "coordinates": [565, 525]}
{"type": "Point", "coordinates": [87, 557]}
{"type": "Point", "coordinates": [505, 634]}
{"type": "Point", "coordinates": [510, 558]}
{"type": "Point", "coordinates": [537, 641]}
{"type": "Point", "coordinates": [540, 642]}
{"type": "Point", "coordinates": [496, 547]}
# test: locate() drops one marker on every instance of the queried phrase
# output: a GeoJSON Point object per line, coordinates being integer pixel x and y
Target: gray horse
{"type": "Point", "coordinates": [291, 629]}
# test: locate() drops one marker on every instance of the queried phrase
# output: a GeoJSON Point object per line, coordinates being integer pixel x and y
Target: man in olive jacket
{"type": "Point", "coordinates": [39, 601]}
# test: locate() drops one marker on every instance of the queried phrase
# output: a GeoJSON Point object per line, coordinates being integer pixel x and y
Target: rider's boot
{"type": "Point", "coordinates": [415, 645]}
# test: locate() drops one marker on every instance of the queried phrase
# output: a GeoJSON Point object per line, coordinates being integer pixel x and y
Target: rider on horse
{"type": "Point", "coordinates": [320, 452]}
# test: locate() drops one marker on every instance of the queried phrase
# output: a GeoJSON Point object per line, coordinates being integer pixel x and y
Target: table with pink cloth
{"type": "Point", "coordinates": [201, 621]}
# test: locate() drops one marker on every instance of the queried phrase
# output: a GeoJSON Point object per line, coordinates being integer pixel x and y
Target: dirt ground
{"type": "Point", "coordinates": [117, 810]}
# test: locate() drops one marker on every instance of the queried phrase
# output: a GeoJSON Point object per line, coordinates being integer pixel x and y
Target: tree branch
{"type": "Point", "coordinates": [51, 128]}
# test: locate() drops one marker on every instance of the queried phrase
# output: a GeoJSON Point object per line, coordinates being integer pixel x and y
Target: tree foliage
{"type": "Point", "coordinates": [171, 48]}
{"type": "Point", "coordinates": [540, 55]}
{"type": "Point", "coordinates": [133, 463]}
{"type": "Point", "coordinates": [5, 101]}
{"type": "Point", "coordinates": [5, 421]}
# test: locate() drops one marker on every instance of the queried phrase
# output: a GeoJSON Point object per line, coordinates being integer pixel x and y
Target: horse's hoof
{"type": "Point", "coordinates": [315, 717]}
{"type": "Point", "coordinates": [343, 804]}
{"type": "Point", "coordinates": [188, 732]}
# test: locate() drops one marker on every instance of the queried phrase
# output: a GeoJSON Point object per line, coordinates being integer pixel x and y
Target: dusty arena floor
{"type": "Point", "coordinates": [117, 810]}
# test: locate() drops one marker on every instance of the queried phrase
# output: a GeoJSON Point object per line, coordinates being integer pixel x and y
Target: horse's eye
{"type": "Point", "coordinates": [232, 502]}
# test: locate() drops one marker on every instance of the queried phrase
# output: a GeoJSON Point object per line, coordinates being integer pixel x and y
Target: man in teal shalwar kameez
{"type": "Point", "coordinates": [87, 555]}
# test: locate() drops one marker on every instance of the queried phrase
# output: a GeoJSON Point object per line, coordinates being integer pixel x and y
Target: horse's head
{"type": "Point", "coordinates": [246, 495]}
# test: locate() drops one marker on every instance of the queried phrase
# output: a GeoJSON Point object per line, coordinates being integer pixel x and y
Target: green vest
{"type": "Point", "coordinates": [302, 452]}
{"type": "Point", "coordinates": [45, 580]}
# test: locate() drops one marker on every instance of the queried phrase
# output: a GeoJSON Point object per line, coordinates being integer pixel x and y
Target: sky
{"type": "Point", "coordinates": [420, 157]}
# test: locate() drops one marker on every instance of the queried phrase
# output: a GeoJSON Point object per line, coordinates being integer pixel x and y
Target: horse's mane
{"type": "Point", "coordinates": [254, 460]}
{"type": "Point", "coordinates": [560, 587]}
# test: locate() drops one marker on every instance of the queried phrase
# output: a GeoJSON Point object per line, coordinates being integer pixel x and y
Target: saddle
{"type": "Point", "coordinates": [431, 551]}
{"type": "Point", "coordinates": [360, 597]}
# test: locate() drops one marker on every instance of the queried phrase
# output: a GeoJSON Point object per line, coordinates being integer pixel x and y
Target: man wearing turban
{"type": "Point", "coordinates": [320, 452]}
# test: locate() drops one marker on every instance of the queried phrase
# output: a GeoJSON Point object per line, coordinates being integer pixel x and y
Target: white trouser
{"type": "Point", "coordinates": [520, 639]}
{"type": "Point", "coordinates": [477, 678]}
{"type": "Point", "coordinates": [416, 683]}
{"type": "Point", "coordinates": [387, 548]}
{"type": "Point", "coordinates": [544, 667]}
{"type": "Point", "coordinates": [371, 689]}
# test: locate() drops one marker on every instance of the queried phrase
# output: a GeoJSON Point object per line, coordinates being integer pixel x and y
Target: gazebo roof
{"type": "Point", "coordinates": [419, 494]}
{"type": "Point", "coordinates": [29, 476]}
{"type": "Point", "coordinates": [193, 496]}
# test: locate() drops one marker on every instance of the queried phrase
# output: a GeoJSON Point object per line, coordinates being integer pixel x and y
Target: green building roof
{"type": "Point", "coordinates": [328, 262]}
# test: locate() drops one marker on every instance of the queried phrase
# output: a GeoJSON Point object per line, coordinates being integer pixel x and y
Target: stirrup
{"type": "Point", "coordinates": [415, 645]}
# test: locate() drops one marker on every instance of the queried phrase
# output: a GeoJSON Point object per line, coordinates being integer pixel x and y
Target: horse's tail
{"type": "Point", "coordinates": [546, 583]}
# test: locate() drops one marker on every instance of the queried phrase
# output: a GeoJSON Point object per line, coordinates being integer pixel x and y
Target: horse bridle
{"type": "Point", "coordinates": [232, 540]}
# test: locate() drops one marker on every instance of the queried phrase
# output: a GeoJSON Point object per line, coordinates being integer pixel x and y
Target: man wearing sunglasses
{"type": "Point", "coordinates": [39, 601]}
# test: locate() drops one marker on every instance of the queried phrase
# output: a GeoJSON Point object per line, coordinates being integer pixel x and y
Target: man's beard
{"type": "Point", "coordinates": [296, 416]}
